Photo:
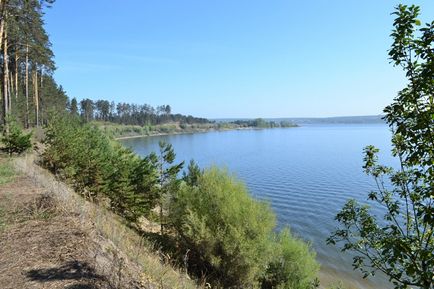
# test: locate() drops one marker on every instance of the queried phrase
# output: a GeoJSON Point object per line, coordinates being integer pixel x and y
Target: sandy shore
{"type": "Point", "coordinates": [187, 132]}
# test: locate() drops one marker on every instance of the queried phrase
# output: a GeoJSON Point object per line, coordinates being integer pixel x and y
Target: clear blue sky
{"type": "Point", "coordinates": [230, 58]}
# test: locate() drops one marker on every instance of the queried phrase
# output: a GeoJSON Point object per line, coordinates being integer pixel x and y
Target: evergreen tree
{"type": "Point", "coordinates": [28, 90]}
{"type": "Point", "coordinates": [193, 173]}
{"type": "Point", "coordinates": [73, 107]}
{"type": "Point", "coordinates": [167, 176]}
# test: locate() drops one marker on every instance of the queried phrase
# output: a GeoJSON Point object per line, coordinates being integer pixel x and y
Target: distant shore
{"type": "Point", "coordinates": [188, 132]}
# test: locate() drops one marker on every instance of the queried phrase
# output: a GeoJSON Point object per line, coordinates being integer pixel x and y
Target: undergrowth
{"type": "Point", "coordinates": [7, 172]}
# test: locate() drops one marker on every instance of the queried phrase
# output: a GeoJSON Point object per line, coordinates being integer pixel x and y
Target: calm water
{"type": "Point", "coordinates": [307, 174]}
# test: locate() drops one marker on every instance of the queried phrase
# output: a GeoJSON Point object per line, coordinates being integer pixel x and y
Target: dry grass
{"type": "Point", "coordinates": [7, 173]}
{"type": "Point", "coordinates": [119, 252]}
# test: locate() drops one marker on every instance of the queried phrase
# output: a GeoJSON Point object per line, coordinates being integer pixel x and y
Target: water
{"type": "Point", "coordinates": [307, 174]}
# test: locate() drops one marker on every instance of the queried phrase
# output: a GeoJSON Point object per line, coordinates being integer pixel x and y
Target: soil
{"type": "Point", "coordinates": [43, 245]}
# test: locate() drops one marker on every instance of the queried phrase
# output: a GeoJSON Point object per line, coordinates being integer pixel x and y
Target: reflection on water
{"type": "Point", "coordinates": [307, 174]}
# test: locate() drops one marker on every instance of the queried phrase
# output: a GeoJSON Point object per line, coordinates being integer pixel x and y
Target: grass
{"type": "Point", "coordinates": [2, 219]}
{"type": "Point", "coordinates": [156, 268]}
{"type": "Point", "coordinates": [124, 244]}
{"type": "Point", "coordinates": [119, 130]}
{"type": "Point", "coordinates": [7, 172]}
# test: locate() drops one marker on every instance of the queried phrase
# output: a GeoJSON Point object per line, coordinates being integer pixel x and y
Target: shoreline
{"type": "Point", "coordinates": [193, 131]}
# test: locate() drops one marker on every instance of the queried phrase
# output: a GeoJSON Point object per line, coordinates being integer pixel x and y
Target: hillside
{"type": "Point", "coordinates": [52, 238]}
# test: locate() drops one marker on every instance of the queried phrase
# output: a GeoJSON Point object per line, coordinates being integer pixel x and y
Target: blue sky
{"type": "Point", "coordinates": [230, 58]}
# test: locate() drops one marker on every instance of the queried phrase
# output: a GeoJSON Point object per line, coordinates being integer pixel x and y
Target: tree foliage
{"type": "Point", "coordinates": [28, 90]}
{"type": "Point", "coordinates": [14, 139]}
{"type": "Point", "coordinates": [230, 237]}
{"type": "Point", "coordinates": [191, 177]}
{"type": "Point", "coordinates": [228, 234]}
{"type": "Point", "coordinates": [401, 245]}
{"type": "Point", "coordinates": [292, 265]}
{"type": "Point", "coordinates": [98, 168]}
{"type": "Point", "coordinates": [130, 114]}
{"type": "Point", "coordinates": [262, 123]}
{"type": "Point", "coordinates": [224, 227]}
{"type": "Point", "coordinates": [167, 177]}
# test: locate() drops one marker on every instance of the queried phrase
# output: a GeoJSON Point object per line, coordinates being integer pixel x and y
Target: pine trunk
{"type": "Point", "coordinates": [16, 75]}
{"type": "Point", "coordinates": [2, 25]}
{"type": "Point", "coordinates": [10, 90]}
{"type": "Point", "coordinates": [41, 112]}
{"type": "Point", "coordinates": [36, 95]}
{"type": "Point", "coordinates": [27, 86]}
{"type": "Point", "coordinates": [5, 75]}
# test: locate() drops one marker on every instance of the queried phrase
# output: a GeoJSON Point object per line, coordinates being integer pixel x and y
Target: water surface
{"type": "Point", "coordinates": [307, 173]}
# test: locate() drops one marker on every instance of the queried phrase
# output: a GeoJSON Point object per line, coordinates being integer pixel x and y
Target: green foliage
{"type": "Point", "coordinates": [7, 172]}
{"type": "Point", "coordinates": [402, 245]}
{"type": "Point", "coordinates": [98, 168]}
{"type": "Point", "coordinates": [14, 139]}
{"type": "Point", "coordinates": [262, 123]}
{"type": "Point", "coordinates": [293, 264]}
{"type": "Point", "coordinates": [226, 230]}
{"type": "Point", "coordinates": [191, 177]}
{"type": "Point", "coordinates": [167, 176]}
{"type": "Point", "coordinates": [229, 235]}
{"type": "Point", "coordinates": [27, 55]}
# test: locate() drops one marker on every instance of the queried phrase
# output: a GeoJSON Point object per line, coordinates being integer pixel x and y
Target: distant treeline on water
{"type": "Point", "coordinates": [313, 120]}
{"type": "Point", "coordinates": [128, 113]}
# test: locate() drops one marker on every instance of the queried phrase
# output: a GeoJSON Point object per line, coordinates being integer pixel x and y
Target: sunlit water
{"type": "Point", "coordinates": [307, 173]}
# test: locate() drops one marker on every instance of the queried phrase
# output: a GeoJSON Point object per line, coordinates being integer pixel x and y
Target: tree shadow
{"type": "Point", "coordinates": [165, 243]}
{"type": "Point", "coordinates": [73, 270]}
{"type": "Point", "coordinates": [182, 254]}
{"type": "Point", "coordinates": [81, 286]}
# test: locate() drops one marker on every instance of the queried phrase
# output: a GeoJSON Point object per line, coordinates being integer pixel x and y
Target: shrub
{"type": "Point", "coordinates": [229, 235]}
{"type": "Point", "coordinates": [14, 138]}
{"type": "Point", "coordinates": [293, 265]}
{"type": "Point", "coordinates": [226, 229]}
{"type": "Point", "coordinates": [7, 172]}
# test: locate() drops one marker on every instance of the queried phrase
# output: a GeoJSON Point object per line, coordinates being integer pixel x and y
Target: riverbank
{"type": "Point", "coordinates": [187, 132]}
{"type": "Point", "coordinates": [75, 242]}
{"type": "Point", "coordinates": [122, 131]}
{"type": "Point", "coordinates": [305, 173]}
{"type": "Point", "coordinates": [51, 237]}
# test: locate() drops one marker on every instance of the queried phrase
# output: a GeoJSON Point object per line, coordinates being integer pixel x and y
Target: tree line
{"type": "Point", "coordinates": [262, 123]}
{"type": "Point", "coordinates": [209, 221]}
{"type": "Point", "coordinates": [28, 90]}
{"type": "Point", "coordinates": [229, 236]}
{"type": "Point", "coordinates": [128, 113]}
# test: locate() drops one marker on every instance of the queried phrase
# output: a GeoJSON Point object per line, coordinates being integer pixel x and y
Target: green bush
{"type": "Point", "coordinates": [7, 172]}
{"type": "Point", "coordinates": [224, 227]}
{"type": "Point", "coordinates": [99, 168]}
{"type": "Point", "coordinates": [14, 139]}
{"type": "Point", "coordinates": [293, 265]}
{"type": "Point", "coordinates": [230, 238]}
{"type": "Point", "coordinates": [228, 234]}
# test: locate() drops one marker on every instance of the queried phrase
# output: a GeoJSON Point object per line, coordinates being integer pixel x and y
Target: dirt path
{"type": "Point", "coordinates": [42, 246]}
{"type": "Point", "coordinates": [50, 237]}
{"type": "Point", "coordinates": [47, 241]}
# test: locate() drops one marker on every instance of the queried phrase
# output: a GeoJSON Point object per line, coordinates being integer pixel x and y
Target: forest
{"type": "Point", "coordinates": [208, 221]}
{"type": "Point", "coordinates": [229, 236]}
{"type": "Point", "coordinates": [128, 114]}
{"type": "Point", "coordinates": [29, 92]}
{"type": "Point", "coordinates": [28, 89]}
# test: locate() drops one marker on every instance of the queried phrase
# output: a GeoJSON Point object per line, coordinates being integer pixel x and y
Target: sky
{"type": "Point", "coordinates": [230, 58]}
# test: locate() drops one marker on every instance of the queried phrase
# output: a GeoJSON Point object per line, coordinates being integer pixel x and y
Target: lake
{"type": "Point", "coordinates": [306, 173]}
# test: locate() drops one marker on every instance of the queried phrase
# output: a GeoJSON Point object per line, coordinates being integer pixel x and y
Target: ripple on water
{"type": "Point", "coordinates": [306, 174]}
